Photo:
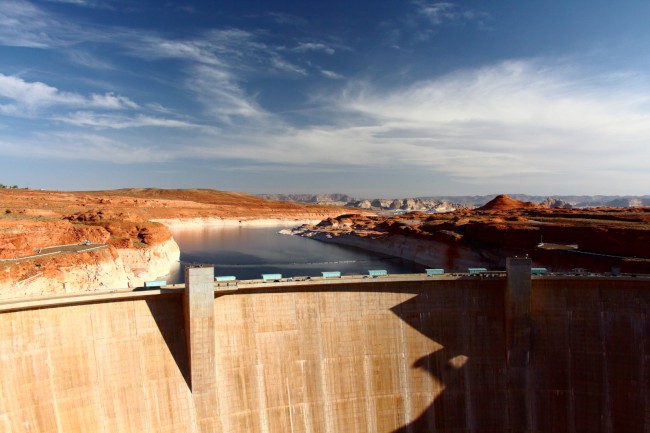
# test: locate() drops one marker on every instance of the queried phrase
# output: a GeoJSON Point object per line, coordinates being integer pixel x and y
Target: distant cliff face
{"type": "Point", "coordinates": [606, 237]}
{"type": "Point", "coordinates": [450, 203]}
{"type": "Point", "coordinates": [398, 204]}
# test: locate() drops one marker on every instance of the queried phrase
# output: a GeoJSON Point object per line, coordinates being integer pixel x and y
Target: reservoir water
{"type": "Point", "coordinates": [247, 252]}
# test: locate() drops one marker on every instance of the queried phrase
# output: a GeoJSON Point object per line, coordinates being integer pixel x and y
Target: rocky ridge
{"type": "Point", "coordinates": [606, 237]}
{"type": "Point", "coordinates": [449, 203]}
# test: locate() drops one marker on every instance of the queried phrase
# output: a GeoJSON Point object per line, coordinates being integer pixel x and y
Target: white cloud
{"type": "Point", "coordinates": [441, 12]}
{"type": "Point", "coordinates": [85, 3]}
{"type": "Point", "coordinates": [437, 13]}
{"type": "Point", "coordinates": [151, 47]}
{"type": "Point", "coordinates": [105, 121]}
{"type": "Point", "coordinates": [428, 19]}
{"type": "Point", "coordinates": [28, 97]}
{"type": "Point", "coordinates": [511, 118]}
{"type": "Point", "coordinates": [283, 65]}
{"type": "Point", "coordinates": [331, 74]}
{"type": "Point", "coordinates": [111, 102]}
{"type": "Point", "coordinates": [35, 94]}
{"type": "Point", "coordinates": [312, 46]}
{"type": "Point", "coordinates": [217, 47]}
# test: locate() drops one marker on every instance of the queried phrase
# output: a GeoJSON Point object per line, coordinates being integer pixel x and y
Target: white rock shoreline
{"type": "Point", "coordinates": [425, 252]}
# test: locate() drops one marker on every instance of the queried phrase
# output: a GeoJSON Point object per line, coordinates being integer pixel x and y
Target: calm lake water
{"type": "Point", "coordinates": [248, 252]}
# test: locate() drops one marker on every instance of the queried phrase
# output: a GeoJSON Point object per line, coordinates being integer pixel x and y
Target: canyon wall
{"type": "Point", "coordinates": [435, 254]}
{"type": "Point", "coordinates": [100, 269]}
{"type": "Point", "coordinates": [382, 355]}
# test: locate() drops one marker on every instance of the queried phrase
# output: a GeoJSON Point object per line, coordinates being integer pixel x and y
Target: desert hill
{"type": "Point", "coordinates": [504, 202]}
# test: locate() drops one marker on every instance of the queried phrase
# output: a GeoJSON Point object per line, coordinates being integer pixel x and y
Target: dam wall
{"type": "Point", "coordinates": [377, 355]}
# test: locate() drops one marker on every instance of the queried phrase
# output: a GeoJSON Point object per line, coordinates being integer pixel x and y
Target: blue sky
{"type": "Point", "coordinates": [371, 98]}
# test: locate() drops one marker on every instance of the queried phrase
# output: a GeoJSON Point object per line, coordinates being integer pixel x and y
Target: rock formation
{"type": "Point", "coordinates": [504, 202]}
{"type": "Point", "coordinates": [556, 203]}
{"type": "Point", "coordinates": [606, 237]}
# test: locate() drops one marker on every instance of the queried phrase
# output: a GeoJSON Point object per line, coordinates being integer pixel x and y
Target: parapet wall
{"type": "Point", "coordinates": [368, 356]}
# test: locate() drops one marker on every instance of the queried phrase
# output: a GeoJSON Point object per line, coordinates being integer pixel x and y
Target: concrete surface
{"type": "Point", "coordinates": [376, 355]}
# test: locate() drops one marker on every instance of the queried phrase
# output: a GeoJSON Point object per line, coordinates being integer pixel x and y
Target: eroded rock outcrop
{"type": "Point", "coordinates": [120, 255]}
{"type": "Point", "coordinates": [599, 238]}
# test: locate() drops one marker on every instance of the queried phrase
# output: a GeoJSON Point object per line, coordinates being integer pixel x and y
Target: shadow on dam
{"type": "Point", "coordinates": [471, 353]}
{"type": "Point", "coordinates": [165, 313]}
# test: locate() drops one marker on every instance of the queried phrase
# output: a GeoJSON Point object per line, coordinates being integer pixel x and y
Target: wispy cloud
{"type": "Point", "coordinates": [111, 101]}
{"type": "Point", "coordinates": [436, 13]}
{"type": "Point", "coordinates": [153, 47]}
{"type": "Point", "coordinates": [25, 25]}
{"type": "Point", "coordinates": [215, 65]}
{"type": "Point", "coordinates": [331, 74]}
{"type": "Point", "coordinates": [428, 19]}
{"type": "Point", "coordinates": [283, 18]}
{"type": "Point", "coordinates": [218, 64]}
{"type": "Point", "coordinates": [314, 46]}
{"type": "Point", "coordinates": [222, 96]}
{"type": "Point", "coordinates": [280, 64]}
{"type": "Point", "coordinates": [112, 121]}
{"type": "Point", "coordinates": [95, 4]}
{"type": "Point", "coordinates": [89, 60]}
{"type": "Point", "coordinates": [441, 12]}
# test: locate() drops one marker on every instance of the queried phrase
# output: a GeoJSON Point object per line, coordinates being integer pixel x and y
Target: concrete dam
{"type": "Point", "coordinates": [409, 354]}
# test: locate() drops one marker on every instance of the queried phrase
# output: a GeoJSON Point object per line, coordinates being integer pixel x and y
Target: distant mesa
{"type": "Point", "coordinates": [504, 202]}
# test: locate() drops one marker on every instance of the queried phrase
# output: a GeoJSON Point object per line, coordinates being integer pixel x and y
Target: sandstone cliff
{"type": "Point", "coordinates": [139, 253]}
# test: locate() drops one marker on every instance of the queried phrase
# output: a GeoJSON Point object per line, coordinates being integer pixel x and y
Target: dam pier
{"type": "Point", "coordinates": [411, 353]}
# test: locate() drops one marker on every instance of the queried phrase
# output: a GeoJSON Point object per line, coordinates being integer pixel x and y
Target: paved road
{"type": "Point", "coordinates": [60, 249]}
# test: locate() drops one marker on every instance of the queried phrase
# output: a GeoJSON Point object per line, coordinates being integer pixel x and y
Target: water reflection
{"type": "Point", "coordinates": [247, 252]}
